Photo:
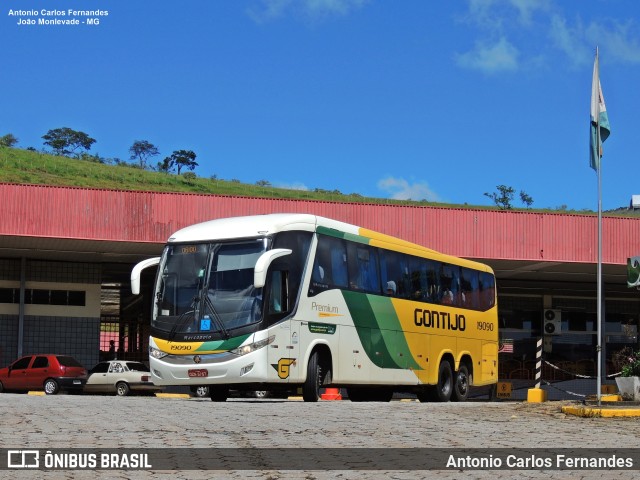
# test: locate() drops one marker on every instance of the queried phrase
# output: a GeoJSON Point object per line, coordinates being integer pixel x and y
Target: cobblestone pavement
{"type": "Point", "coordinates": [72, 421]}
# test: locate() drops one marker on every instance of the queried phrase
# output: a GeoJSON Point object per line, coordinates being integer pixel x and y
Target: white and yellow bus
{"type": "Point", "coordinates": [286, 301]}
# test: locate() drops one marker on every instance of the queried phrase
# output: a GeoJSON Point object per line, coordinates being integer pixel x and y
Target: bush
{"type": "Point", "coordinates": [627, 362]}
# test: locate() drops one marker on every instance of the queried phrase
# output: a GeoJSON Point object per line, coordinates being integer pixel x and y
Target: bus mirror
{"type": "Point", "coordinates": [262, 265]}
{"type": "Point", "coordinates": [137, 271]}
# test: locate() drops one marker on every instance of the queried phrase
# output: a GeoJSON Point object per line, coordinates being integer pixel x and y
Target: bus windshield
{"type": "Point", "coordinates": [207, 288]}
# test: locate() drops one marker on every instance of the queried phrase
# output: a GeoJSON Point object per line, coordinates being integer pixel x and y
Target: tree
{"type": "Point", "coordinates": [66, 141]}
{"type": "Point", "coordinates": [503, 198]}
{"type": "Point", "coordinates": [184, 159]}
{"type": "Point", "coordinates": [526, 199]}
{"type": "Point", "coordinates": [165, 165]}
{"type": "Point", "coordinates": [179, 159]}
{"type": "Point", "coordinates": [142, 151]}
{"type": "Point", "coordinates": [8, 140]}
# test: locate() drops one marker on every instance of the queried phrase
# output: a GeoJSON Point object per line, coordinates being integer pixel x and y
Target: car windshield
{"type": "Point", "coordinates": [206, 288]}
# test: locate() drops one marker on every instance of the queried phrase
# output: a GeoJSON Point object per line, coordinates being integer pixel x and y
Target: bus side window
{"type": "Point", "coordinates": [470, 288]}
{"type": "Point", "coordinates": [339, 265]}
{"type": "Point", "coordinates": [419, 285]}
{"type": "Point", "coordinates": [446, 280]}
{"type": "Point", "coordinates": [278, 298]}
{"type": "Point", "coordinates": [363, 268]}
{"type": "Point", "coordinates": [487, 291]}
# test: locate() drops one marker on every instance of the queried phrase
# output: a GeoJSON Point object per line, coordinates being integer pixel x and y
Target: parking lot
{"type": "Point", "coordinates": [109, 422]}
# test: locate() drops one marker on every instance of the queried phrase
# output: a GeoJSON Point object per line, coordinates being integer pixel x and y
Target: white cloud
{"type": "Point", "coordinates": [400, 189]}
{"type": "Point", "coordinates": [292, 186]}
{"type": "Point", "coordinates": [618, 41]}
{"type": "Point", "coordinates": [314, 9]}
{"type": "Point", "coordinates": [527, 8]}
{"type": "Point", "coordinates": [570, 41]}
{"type": "Point", "coordinates": [501, 56]}
{"type": "Point", "coordinates": [497, 15]}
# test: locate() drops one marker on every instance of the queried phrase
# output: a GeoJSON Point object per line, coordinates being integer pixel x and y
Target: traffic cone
{"type": "Point", "coordinates": [331, 394]}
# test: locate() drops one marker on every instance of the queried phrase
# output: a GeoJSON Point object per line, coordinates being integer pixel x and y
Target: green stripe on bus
{"type": "Point", "coordinates": [225, 345]}
{"type": "Point", "coordinates": [391, 329]}
{"type": "Point", "coordinates": [381, 333]}
{"type": "Point", "coordinates": [344, 235]}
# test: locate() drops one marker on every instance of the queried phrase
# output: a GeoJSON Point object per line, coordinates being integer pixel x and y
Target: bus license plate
{"type": "Point", "coordinates": [198, 372]}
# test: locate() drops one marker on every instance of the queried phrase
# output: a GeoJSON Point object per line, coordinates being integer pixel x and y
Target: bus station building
{"type": "Point", "coordinates": [66, 254]}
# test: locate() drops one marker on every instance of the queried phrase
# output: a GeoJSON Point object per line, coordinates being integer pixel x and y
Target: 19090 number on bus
{"type": "Point", "coordinates": [486, 326]}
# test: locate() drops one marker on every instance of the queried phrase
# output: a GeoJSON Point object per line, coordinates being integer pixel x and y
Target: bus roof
{"type": "Point", "coordinates": [255, 226]}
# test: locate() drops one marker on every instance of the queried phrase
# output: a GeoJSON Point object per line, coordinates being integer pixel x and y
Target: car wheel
{"type": "Point", "coordinates": [51, 387]}
{"type": "Point", "coordinates": [260, 394]}
{"type": "Point", "coordinates": [201, 392]}
{"type": "Point", "coordinates": [122, 389]}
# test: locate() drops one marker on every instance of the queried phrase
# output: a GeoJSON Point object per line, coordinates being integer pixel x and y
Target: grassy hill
{"type": "Point", "coordinates": [32, 167]}
{"type": "Point", "coordinates": [29, 167]}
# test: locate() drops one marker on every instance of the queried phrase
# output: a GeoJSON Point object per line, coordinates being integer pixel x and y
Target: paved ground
{"type": "Point", "coordinates": [71, 421]}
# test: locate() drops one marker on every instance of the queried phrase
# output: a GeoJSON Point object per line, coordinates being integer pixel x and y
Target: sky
{"type": "Point", "coordinates": [412, 99]}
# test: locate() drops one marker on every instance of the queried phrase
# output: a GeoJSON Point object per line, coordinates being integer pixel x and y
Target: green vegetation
{"type": "Point", "coordinates": [504, 197]}
{"type": "Point", "coordinates": [33, 167]}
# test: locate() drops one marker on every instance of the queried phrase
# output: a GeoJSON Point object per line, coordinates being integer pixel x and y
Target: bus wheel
{"type": "Point", "coordinates": [218, 394]}
{"type": "Point", "coordinates": [443, 390]}
{"type": "Point", "coordinates": [461, 384]}
{"type": "Point", "coordinates": [311, 386]}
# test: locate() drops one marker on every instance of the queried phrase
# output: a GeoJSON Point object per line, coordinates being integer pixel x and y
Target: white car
{"type": "Point", "coordinates": [121, 377]}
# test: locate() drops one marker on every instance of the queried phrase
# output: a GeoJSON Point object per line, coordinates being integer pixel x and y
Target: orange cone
{"type": "Point", "coordinates": [331, 394]}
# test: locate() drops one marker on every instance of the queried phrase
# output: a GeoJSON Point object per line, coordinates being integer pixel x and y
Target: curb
{"type": "Point", "coordinates": [590, 412]}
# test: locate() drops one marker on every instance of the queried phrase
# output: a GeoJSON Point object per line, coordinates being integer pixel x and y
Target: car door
{"type": "Point", "coordinates": [16, 378]}
{"type": "Point", "coordinates": [98, 380]}
{"type": "Point", "coordinates": [37, 372]}
{"type": "Point", "coordinates": [116, 372]}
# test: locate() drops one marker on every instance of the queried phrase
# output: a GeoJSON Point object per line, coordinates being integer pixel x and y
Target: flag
{"type": "Point", "coordinates": [599, 117]}
{"type": "Point", "coordinates": [506, 346]}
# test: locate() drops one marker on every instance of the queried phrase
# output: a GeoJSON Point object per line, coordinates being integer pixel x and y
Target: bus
{"type": "Point", "coordinates": [303, 302]}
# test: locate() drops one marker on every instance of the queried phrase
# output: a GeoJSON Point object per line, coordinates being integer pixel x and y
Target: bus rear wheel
{"type": "Point", "coordinates": [442, 391]}
{"type": "Point", "coordinates": [444, 388]}
{"type": "Point", "coordinates": [461, 384]}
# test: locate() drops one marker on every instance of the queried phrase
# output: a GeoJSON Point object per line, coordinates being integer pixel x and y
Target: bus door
{"type": "Point", "coordinates": [283, 353]}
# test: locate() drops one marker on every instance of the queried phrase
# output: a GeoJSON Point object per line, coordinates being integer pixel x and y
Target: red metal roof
{"type": "Point", "coordinates": [91, 214]}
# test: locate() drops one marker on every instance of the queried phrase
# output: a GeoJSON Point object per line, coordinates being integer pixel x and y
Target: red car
{"type": "Point", "coordinates": [47, 372]}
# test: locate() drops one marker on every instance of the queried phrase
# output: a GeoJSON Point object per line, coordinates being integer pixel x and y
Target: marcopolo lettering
{"type": "Point", "coordinates": [439, 320]}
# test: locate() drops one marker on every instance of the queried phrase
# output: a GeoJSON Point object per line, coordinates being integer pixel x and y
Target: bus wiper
{"type": "Point", "coordinates": [216, 318]}
{"type": "Point", "coordinates": [182, 319]}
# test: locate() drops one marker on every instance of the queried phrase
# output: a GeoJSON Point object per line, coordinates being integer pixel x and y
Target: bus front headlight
{"type": "Point", "coordinates": [252, 347]}
{"type": "Point", "coordinates": [155, 353]}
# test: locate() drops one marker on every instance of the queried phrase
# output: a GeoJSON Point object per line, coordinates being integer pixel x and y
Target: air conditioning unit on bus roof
{"type": "Point", "coordinates": [552, 322]}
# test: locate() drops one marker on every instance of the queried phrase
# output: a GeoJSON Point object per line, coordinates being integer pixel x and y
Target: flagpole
{"type": "Point", "coordinates": [599, 302]}
{"type": "Point", "coordinates": [599, 270]}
